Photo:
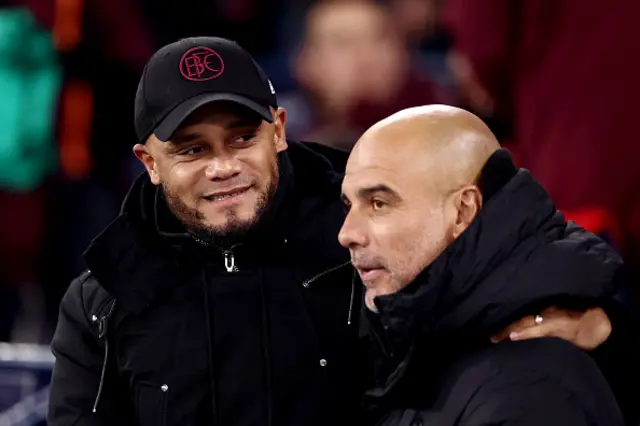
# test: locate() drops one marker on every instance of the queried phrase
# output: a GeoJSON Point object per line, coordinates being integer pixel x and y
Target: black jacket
{"type": "Point", "coordinates": [518, 256]}
{"type": "Point", "coordinates": [160, 333]}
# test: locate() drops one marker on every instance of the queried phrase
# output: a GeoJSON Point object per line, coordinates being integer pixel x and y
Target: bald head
{"type": "Point", "coordinates": [446, 146]}
{"type": "Point", "coordinates": [411, 187]}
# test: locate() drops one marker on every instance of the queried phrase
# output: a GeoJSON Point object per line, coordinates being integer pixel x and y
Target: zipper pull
{"type": "Point", "coordinates": [230, 262]}
{"type": "Point", "coordinates": [102, 328]}
{"type": "Point", "coordinates": [102, 325]}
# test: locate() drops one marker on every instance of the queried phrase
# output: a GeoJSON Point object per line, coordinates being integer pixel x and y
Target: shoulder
{"type": "Point", "coordinates": [337, 157]}
{"type": "Point", "coordinates": [555, 359]}
{"type": "Point", "coordinates": [574, 266]}
{"type": "Point", "coordinates": [579, 251]}
{"type": "Point", "coordinates": [86, 297]}
{"type": "Point", "coordinates": [317, 166]}
{"type": "Point", "coordinates": [317, 186]}
{"type": "Point", "coordinates": [547, 354]}
{"type": "Point", "coordinates": [84, 303]}
{"type": "Point", "coordinates": [539, 374]}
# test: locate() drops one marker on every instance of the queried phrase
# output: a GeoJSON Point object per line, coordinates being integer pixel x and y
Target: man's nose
{"type": "Point", "coordinates": [222, 168]}
{"type": "Point", "coordinates": [352, 232]}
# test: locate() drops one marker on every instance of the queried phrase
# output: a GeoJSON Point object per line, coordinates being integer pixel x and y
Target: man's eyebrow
{"type": "Point", "coordinates": [369, 191]}
{"type": "Point", "coordinates": [375, 189]}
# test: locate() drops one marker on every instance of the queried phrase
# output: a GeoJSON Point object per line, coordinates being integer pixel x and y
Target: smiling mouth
{"type": "Point", "coordinates": [226, 195]}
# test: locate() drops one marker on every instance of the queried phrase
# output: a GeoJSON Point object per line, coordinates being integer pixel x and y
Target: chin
{"type": "Point", "coordinates": [224, 229]}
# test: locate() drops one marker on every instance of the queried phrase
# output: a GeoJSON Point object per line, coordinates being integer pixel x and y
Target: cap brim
{"type": "Point", "coordinates": [168, 126]}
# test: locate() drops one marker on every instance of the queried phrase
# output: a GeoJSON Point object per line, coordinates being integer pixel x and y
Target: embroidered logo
{"type": "Point", "coordinates": [201, 64]}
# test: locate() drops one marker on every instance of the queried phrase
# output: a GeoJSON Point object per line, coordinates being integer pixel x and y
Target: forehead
{"type": "Point", "coordinates": [379, 161]}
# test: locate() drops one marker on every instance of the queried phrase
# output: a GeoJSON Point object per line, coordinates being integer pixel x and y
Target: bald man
{"type": "Point", "coordinates": [446, 266]}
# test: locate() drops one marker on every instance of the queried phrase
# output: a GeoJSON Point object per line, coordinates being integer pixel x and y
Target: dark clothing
{"type": "Point", "coordinates": [146, 294]}
{"type": "Point", "coordinates": [186, 342]}
{"type": "Point", "coordinates": [618, 359]}
{"type": "Point", "coordinates": [517, 257]}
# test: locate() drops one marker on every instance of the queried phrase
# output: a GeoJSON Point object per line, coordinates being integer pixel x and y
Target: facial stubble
{"type": "Point", "coordinates": [234, 227]}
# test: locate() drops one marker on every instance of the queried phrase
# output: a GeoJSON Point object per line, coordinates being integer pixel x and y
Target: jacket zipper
{"type": "Point", "coordinates": [102, 334]}
{"type": "Point", "coordinates": [229, 257]}
{"type": "Point", "coordinates": [230, 261]}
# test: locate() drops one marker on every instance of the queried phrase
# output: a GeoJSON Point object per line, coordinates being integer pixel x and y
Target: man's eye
{"type": "Point", "coordinates": [244, 139]}
{"type": "Point", "coordinates": [194, 150]}
{"type": "Point", "coordinates": [378, 204]}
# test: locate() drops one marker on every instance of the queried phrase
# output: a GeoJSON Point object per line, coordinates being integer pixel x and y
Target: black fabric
{"type": "Point", "coordinates": [517, 257]}
{"type": "Point", "coordinates": [618, 359]}
{"type": "Point", "coordinates": [232, 348]}
{"type": "Point", "coordinates": [498, 171]}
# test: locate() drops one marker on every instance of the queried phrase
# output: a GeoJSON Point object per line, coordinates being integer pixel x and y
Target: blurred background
{"type": "Point", "coordinates": [556, 80]}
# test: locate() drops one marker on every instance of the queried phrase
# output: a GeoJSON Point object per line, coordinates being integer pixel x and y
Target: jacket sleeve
{"type": "Point", "coordinates": [77, 371]}
{"type": "Point", "coordinates": [618, 358]}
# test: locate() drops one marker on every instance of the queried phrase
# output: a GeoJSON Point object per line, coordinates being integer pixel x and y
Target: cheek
{"type": "Point", "coordinates": [262, 163]}
{"type": "Point", "coordinates": [415, 246]}
{"type": "Point", "coordinates": [182, 181]}
{"type": "Point", "coordinates": [405, 249]}
{"type": "Point", "coordinates": [394, 240]}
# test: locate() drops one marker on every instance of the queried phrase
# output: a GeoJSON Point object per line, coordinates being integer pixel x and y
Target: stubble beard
{"type": "Point", "coordinates": [234, 227]}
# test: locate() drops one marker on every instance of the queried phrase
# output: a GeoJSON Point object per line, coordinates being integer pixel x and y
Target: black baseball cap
{"type": "Point", "coordinates": [182, 76]}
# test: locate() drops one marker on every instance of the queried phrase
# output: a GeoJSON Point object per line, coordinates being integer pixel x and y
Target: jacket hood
{"type": "Point", "coordinates": [124, 257]}
{"type": "Point", "coordinates": [518, 256]}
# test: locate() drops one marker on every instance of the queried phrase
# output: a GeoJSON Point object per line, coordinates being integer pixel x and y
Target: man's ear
{"type": "Point", "coordinates": [468, 204]}
{"type": "Point", "coordinates": [280, 134]}
{"type": "Point", "coordinates": [143, 154]}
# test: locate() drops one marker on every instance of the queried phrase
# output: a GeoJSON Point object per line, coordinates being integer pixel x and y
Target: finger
{"type": "Point", "coordinates": [521, 324]}
{"type": "Point", "coordinates": [542, 330]}
{"type": "Point", "coordinates": [503, 334]}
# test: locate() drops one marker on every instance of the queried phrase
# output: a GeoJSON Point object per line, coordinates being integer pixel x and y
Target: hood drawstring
{"type": "Point", "coordinates": [351, 301]}
{"type": "Point", "coordinates": [266, 352]}
{"type": "Point", "coordinates": [208, 319]}
{"type": "Point", "coordinates": [307, 283]}
{"type": "Point", "coordinates": [102, 334]}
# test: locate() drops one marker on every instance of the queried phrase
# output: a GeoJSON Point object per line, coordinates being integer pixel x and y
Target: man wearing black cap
{"type": "Point", "coordinates": [224, 297]}
{"type": "Point", "coordinates": [220, 295]}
